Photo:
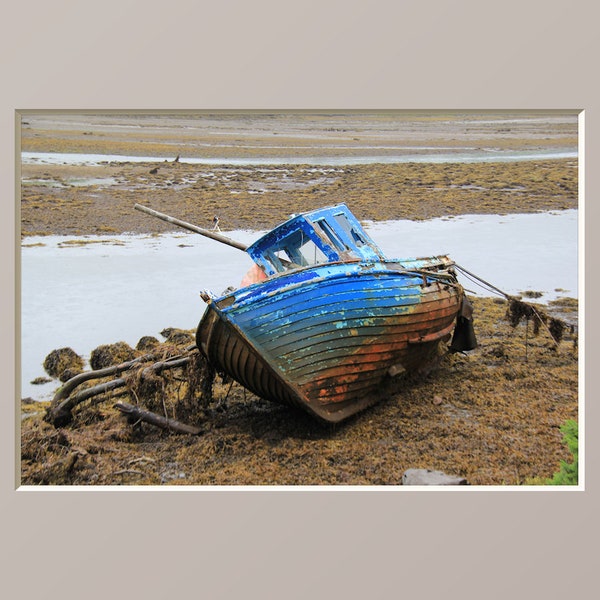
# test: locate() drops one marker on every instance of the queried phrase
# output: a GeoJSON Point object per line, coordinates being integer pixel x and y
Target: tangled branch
{"type": "Point", "coordinates": [143, 377]}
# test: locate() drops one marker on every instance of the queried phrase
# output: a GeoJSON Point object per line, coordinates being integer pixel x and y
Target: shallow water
{"type": "Point", "coordinates": [462, 156]}
{"type": "Point", "coordinates": [72, 182]}
{"type": "Point", "coordinates": [515, 252]}
{"type": "Point", "coordinates": [124, 287]}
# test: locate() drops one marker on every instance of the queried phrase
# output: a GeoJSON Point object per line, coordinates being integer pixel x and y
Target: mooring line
{"type": "Point", "coordinates": [482, 281]}
{"type": "Point", "coordinates": [474, 277]}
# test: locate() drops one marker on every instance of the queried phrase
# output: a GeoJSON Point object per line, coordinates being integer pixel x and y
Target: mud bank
{"type": "Point", "coordinates": [54, 201]}
{"type": "Point", "coordinates": [492, 417]}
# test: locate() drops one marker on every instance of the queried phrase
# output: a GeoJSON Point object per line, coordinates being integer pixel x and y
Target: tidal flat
{"type": "Point", "coordinates": [492, 416]}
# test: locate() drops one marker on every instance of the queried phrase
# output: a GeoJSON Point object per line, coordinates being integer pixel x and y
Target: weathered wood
{"type": "Point", "coordinates": [64, 391]}
{"type": "Point", "coordinates": [205, 232]}
{"type": "Point", "coordinates": [137, 414]}
{"type": "Point", "coordinates": [60, 413]}
{"type": "Point", "coordinates": [163, 365]}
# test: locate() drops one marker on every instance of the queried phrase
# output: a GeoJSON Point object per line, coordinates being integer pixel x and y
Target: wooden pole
{"type": "Point", "coordinates": [205, 232]}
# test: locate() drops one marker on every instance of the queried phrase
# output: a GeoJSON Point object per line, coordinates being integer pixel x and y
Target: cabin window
{"type": "Point", "coordinates": [283, 256]}
{"type": "Point", "coordinates": [333, 238]}
{"type": "Point", "coordinates": [347, 227]}
{"type": "Point", "coordinates": [273, 261]}
{"type": "Point", "coordinates": [311, 253]}
{"type": "Point", "coordinates": [293, 252]}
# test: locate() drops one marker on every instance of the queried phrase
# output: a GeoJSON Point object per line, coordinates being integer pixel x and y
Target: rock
{"type": "Point", "coordinates": [429, 477]}
{"type": "Point", "coordinates": [108, 355]}
{"type": "Point", "coordinates": [177, 336]}
{"type": "Point", "coordinates": [62, 360]}
{"type": "Point", "coordinates": [147, 342]}
{"type": "Point", "coordinates": [68, 374]}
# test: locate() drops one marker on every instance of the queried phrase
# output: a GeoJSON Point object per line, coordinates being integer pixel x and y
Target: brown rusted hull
{"type": "Point", "coordinates": [327, 344]}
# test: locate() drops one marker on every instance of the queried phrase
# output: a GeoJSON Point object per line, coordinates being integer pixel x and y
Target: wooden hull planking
{"type": "Point", "coordinates": [325, 340]}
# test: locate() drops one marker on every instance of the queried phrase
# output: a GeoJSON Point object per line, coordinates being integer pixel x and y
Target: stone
{"type": "Point", "coordinates": [146, 343]}
{"type": "Point", "coordinates": [61, 361]}
{"type": "Point", "coordinates": [109, 355]}
{"type": "Point", "coordinates": [429, 477]}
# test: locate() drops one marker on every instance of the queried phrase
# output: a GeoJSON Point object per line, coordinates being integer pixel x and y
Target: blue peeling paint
{"type": "Point", "coordinates": [322, 236]}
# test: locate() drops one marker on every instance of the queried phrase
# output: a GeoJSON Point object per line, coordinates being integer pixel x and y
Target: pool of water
{"type": "Point", "coordinates": [72, 182]}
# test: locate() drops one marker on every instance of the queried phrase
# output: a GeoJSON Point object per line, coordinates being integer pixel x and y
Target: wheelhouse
{"type": "Point", "coordinates": [327, 235]}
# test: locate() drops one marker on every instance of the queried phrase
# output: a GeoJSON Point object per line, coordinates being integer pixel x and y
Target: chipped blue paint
{"type": "Point", "coordinates": [322, 236]}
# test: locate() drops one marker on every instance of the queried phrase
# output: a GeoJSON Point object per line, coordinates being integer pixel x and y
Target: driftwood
{"type": "Point", "coordinates": [60, 411]}
{"type": "Point", "coordinates": [205, 232]}
{"type": "Point", "coordinates": [137, 414]}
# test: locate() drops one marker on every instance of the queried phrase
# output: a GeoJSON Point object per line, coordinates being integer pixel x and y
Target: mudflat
{"type": "Point", "coordinates": [74, 199]}
{"type": "Point", "coordinates": [492, 416]}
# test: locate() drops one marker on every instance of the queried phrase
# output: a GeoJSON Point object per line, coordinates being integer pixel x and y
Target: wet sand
{"type": "Point", "coordinates": [492, 416]}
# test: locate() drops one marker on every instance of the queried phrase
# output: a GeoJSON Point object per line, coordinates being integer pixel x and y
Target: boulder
{"type": "Point", "coordinates": [146, 343]}
{"type": "Point", "coordinates": [63, 363]}
{"type": "Point", "coordinates": [429, 477]}
{"type": "Point", "coordinates": [177, 336]}
{"type": "Point", "coordinates": [108, 355]}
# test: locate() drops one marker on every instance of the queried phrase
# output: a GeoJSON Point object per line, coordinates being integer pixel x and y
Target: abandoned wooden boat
{"type": "Point", "coordinates": [324, 317]}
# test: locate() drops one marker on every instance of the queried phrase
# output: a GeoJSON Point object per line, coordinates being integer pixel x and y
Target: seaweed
{"type": "Point", "coordinates": [518, 311]}
{"type": "Point", "coordinates": [108, 355]}
{"type": "Point", "coordinates": [63, 364]}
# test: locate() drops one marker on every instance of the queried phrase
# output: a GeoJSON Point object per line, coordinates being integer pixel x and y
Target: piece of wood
{"type": "Point", "coordinates": [64, 391]}
{"type": "Point", "coordinates": [60, 412]}
{"type": "Point", "coordinates": [184, 225]}
{"type": "Point", "coordinates": [137, 414]}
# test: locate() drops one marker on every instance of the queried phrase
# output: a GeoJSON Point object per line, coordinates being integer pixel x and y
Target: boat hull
{"type": "Point", "coordinates": [325, 338]}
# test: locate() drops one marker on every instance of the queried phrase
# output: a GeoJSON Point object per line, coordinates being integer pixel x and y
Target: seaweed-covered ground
{"type": "Point", "coordinates": [491, 416]}
{"type": "Point", "coordinates": [244, 198]}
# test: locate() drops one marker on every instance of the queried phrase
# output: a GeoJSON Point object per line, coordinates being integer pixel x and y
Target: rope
{"type": "Point", "coordinates": [475, 279]}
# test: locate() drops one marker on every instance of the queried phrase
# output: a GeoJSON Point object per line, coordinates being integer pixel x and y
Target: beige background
{"type": "Point", "coordinates": [321, 54]}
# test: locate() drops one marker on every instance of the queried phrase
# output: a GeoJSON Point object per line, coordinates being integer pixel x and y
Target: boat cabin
{"type": "Point", "coordinates": [326, 235]}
